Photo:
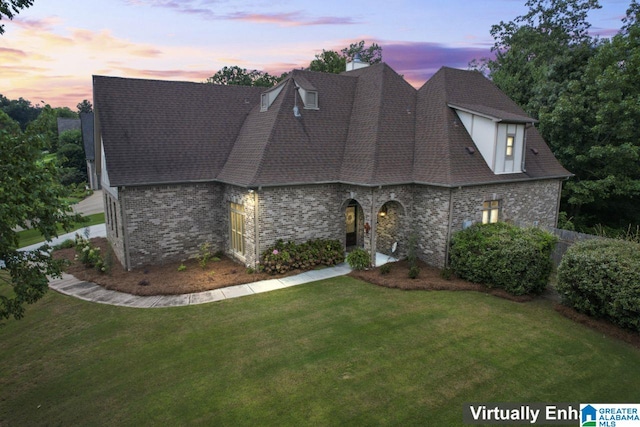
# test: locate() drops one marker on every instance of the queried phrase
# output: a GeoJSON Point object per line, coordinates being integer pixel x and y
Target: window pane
{"type": "Point", "coordinates": [485, 217]}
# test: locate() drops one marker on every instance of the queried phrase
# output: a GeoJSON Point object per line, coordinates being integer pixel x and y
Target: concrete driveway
{"type": "Point", "coordinates": [91, 205]}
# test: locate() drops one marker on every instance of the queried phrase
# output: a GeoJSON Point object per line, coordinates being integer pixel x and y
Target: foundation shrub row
{"type": "Point", "coordinates": [502, 255]}
{"type": "Point", "coordinates": [601, 278]}
{"type": "Point", "coordinates": [286, 256]}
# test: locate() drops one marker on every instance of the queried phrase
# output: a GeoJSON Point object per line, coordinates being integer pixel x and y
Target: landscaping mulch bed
{"type": "Point", "coordinates": [167, 280]}
{"type": "Point", "coordinates": [429, 279]}
{"type": "Point", "coordinates": [163, 279]}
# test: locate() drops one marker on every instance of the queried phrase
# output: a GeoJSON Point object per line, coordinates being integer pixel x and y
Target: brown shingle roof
{"type": "Point", "coordinates": [166, 131]}
{"type": "Point", "coordinates": [371, 128]}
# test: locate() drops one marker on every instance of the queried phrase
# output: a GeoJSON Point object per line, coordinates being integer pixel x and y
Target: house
{"type": "Point", "coordinates": [66, 124]}
{"type": "Point", "coordinates": [86, 121]}
{"type": "Point", "coordinates": [361, 156]}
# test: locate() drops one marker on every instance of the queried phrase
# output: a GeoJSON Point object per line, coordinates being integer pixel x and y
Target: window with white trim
{"type": "Point", "coordinates": [236, 228]}
{"type": "Point", "coordinates": [509, 149]}
{"type": "Point", "coordinates": [490, 211]}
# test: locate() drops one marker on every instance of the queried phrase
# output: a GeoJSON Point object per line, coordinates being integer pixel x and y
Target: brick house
{"type": "Point", "coordinates": [362, 157]}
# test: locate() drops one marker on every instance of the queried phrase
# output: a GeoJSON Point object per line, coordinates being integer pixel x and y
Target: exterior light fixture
{"type": "Point", "coordinates": [383, 211]}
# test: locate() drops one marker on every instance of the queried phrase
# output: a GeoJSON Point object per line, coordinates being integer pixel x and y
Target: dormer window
{"type": "Point", "coordinates": [311, 99]}
{"type": "Point", "coordinates": [267, 98]}
{"type": "Point", "coordinates": [510, 141]}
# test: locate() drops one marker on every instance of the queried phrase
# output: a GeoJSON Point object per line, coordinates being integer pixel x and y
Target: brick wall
{"type": "Point", "coordinates": [527, 203]}
{"type": "Point", "coordinates": [166, 223]}
{"type": "Point", "coordinates": [299, 214]}
{"type": "Point", "coordinates": [169, 222]}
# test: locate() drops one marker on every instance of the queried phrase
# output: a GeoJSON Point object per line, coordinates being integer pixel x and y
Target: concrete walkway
{"type": "Point", "coordinates": [87, 291]}
{"type": "Point", "coordinates": [69, 285]}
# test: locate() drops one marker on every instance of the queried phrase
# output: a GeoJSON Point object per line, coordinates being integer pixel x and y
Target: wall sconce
{"type": "Point", "coordinates": [383, 211]}
{"type": "Point", "coordinates": [367, 228]}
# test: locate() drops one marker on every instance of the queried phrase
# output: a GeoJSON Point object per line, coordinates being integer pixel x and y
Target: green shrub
{"type": "Point", "coordinates": [601, 278]}
{"type": "Point", "coordinates": [89, 255]}
{"type": "Point", "coordinates": [182, 267]}
{"type": "Point", "coordinates": [283, 257]}
{"type": "Point", "coordinates": [358, 259]}
{"type": "Point", "coordinates": [501, 255]}
{"type": "Point", "coordinates": [385, 268]}
{"type": "Point", "coordinates": [414, 271]}
{"type": "Point", "coordinates": [204, 254]}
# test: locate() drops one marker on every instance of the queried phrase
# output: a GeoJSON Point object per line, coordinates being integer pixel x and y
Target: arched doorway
{"type": "Point", "coordinates": [354, 225]}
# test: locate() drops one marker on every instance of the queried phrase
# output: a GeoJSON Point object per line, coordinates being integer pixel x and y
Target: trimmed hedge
{"type": "Point", "coordinates": [501, 255]}
{"type": "Point", "coordinates": [283, 257]}
{"type": "Point", "coordinates": [601, 278]}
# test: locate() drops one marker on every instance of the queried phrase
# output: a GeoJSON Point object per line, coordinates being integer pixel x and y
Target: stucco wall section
{"type": "Point", "coordinates": [169, 222]}
{"type": "Point", "coordinates": [114, 225]}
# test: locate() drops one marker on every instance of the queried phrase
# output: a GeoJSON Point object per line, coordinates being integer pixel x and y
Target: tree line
{"type": "Point", "coordinates": [585, 92]}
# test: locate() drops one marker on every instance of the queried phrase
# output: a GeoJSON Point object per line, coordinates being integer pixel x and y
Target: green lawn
{"type": "Point", "coordinates": [31, 237]}
{"type": "Point", "coordinates": [335, 352]}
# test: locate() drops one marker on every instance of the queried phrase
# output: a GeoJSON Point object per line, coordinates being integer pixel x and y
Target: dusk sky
{"type": "Point", "coordinates": [50, 51]}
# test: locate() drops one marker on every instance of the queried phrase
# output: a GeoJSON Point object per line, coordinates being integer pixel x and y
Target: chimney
{"type": "Point", "coordinates": [356, 63]}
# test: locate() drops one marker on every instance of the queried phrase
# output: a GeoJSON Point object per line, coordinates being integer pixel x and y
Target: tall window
{"type": "Point", "coordinates": [236, 222]}
{"type": "Point", "coordinates": [490, 211]}
{"type": "Point", "coordinates": [510, 140]}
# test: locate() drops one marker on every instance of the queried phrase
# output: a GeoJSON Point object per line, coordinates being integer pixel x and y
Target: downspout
{"type": "Point", "coordinates": [374, 226]}
{"type": "Point", "coordinates": [256, 216]}
{"type": "Point", "coordinates": [450, 226]}
{"type": "Point", "coordinates": [524, 146]}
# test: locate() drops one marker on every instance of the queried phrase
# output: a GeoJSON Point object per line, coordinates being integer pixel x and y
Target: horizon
{"type": "Point", "coordinates": [49, 52]}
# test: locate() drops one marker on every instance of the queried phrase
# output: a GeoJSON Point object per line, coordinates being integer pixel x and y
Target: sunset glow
{"type": "Point", "coordinates": [50, 51]}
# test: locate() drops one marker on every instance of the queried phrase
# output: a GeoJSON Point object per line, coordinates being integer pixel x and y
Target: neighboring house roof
{"type": "Point", "coordinates": [86, 120]}
{"type": "Point", "coordinates": [65, 124]}
{"type": "Point", "coordinates": [371, 128]}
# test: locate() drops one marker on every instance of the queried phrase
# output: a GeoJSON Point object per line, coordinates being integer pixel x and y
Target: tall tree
{"type": "Point", "coordinates": [330, 61]}
{"type": "Point", "coordinates": [594, 129]}
{"type": "Point", "coordinates": [235, 75]}
{"type": "Point", "coordinates": [46, 125]}
{"type": "Point", "coordinates": [538, 53]}
{"type": "Point", "coordinates": [19, 110]}
{"type": "Point", "coordinates": [84, 106]}
{"type": "Point", "coordinates": [11, 8]}
{"type": "Point", "coordinates": [30, 195]}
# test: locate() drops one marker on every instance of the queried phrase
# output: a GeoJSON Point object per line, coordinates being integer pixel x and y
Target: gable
{"type": "Point", "coordinates": [367, 127]}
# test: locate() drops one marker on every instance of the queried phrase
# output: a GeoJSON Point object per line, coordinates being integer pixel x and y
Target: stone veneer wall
{"type": "Point", "coordinates": [169, 222]}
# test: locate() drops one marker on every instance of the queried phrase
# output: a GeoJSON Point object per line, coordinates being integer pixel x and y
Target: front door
{"type": "Point", "coordinates": [351, 225]}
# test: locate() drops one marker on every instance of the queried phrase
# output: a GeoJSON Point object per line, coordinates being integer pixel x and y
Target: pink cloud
{"type": "Point", "coordinates": [292, 19]}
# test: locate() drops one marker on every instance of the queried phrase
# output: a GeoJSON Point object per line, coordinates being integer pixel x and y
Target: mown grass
{"type": "Point", "coordinates": [335, 352]}
{"type": "Point", "coordinates": [33, 236]}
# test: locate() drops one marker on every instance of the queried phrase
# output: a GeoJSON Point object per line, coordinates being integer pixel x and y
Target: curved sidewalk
{"type": "Point", "coordinates": [69, 285]}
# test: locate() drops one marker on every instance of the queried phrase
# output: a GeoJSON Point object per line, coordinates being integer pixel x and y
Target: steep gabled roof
{"type": "Point", "coordinates": [370, 128]}
{"type": "Point", "coordinates": [276, 148]}
{"type": "Point", "coordinates": [166, 131]}
{"type": "Point", "coordinates": [442, 156]}
{"type": "Point", "coordinates": [86, 121]}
